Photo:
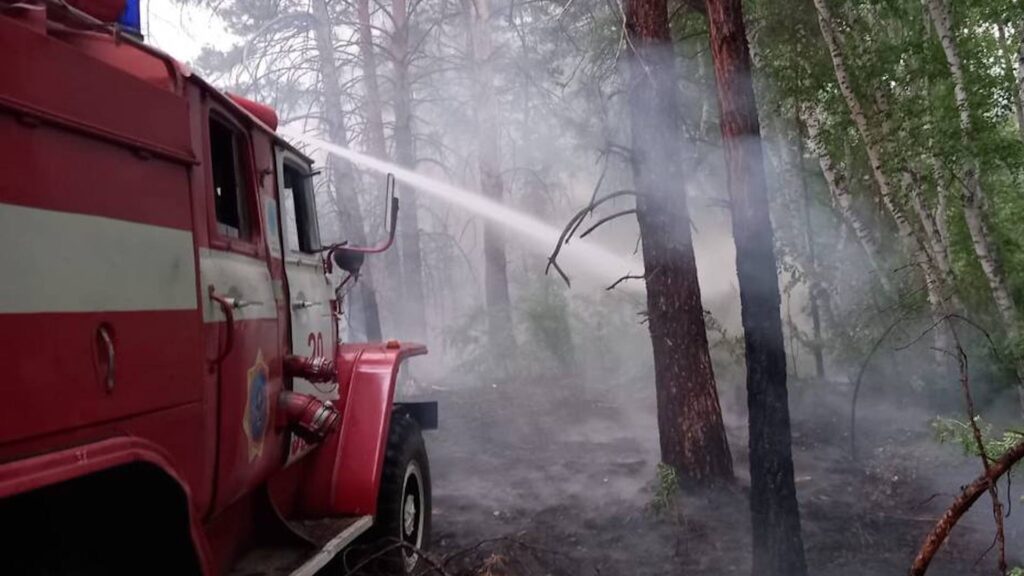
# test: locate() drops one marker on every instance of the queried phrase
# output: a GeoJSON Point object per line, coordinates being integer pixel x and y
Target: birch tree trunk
{"type": "Point", "coordinates": [1020, 77]}
{"type": "Point", "coordinates": [911, 243]}
{"type": "Point", "coordinates": [1011, 70]}
{"type": "Point", "coordinates": [775, 515]}
{"type": "Point", "coordinates": [690, 426]}
{"type": "Point", "coordinates": [499, 313]}
{"type": "Point", "coordinates": [937, 248]}
{"type": "Point", "coordinates": [343, 175]}
{"type": "Point", "coordinates": [973, 195]}
{"type": "Point", "coordinates": [941, 205]}
{"type": "Point", "coordinates": [840, 192]}
{"type": "Point", "coordinates": [408, 220]}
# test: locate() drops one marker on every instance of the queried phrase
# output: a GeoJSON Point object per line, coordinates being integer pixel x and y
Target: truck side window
{"type": "Point", "coordinates": [228, 181]}
{"type": "Point", "coordinates": [302, 232]}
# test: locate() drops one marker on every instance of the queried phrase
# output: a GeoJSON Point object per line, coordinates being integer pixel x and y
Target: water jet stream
{"type": "Point", "coordinates": [597, 262]}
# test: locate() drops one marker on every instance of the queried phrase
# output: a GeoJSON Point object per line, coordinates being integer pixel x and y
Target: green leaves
{"type": "Point", "coordinates": [951, 430]}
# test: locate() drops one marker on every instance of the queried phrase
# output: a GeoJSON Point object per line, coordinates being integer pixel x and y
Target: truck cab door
{"type": "Point", "coordinates": [240, 311]}
{"type": "Point", "coordinates": [310, 295]}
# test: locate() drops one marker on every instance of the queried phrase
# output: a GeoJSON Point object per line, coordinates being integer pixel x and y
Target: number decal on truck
{"type": "Point", "coordinates": [316, 343]}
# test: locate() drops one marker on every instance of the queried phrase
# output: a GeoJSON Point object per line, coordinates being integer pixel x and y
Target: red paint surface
{"type": "Point", "coordinates": [344, 474]}
{"type": "Point", "coordinates": [55, 377]}
{"type": "Point", "coordinates": [99, 128]}
{"type": "Point", "coordinates": [48, 469]}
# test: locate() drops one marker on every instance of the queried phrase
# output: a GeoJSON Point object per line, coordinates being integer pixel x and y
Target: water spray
{"type": "Point", "coordinates": [595, 261]}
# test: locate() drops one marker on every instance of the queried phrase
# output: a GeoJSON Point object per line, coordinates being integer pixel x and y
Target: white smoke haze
{"type": "Point", "coordinates": [552, 444]}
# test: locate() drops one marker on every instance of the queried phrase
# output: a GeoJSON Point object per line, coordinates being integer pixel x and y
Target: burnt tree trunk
{"type": "Point", "coordinates": [775, 514]}
{"type": "Point", "coordinates": [488, 133]}
{"type": "Point", "coordinates": [690, 427]}
{"type": "Point", "coordinates": [343, 175]}
{"type": "Point", "coordinates": [408, 219]}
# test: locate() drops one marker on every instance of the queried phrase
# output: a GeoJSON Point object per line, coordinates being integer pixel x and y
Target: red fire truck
{"type": "Point", "coordinates": [174, 397]}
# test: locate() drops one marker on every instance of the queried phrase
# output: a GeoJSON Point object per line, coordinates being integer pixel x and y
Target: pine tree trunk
{"type": "Point", "coordinates": [841, 194]}
{"type": "Point", "coordinates": [690, 426]}
{"type": "Point", "coordinates": [343, 176]}
{"type": "Point", "coordinates": [374, 133]}
{"type": "Point", "coordinates": [819, 297]}
{"type": "Point", "coordinates": [499, 312]}
{"type": "Point", "coordinates": [413, 311]}
{"type": "Point", "coordinates": [775, 514]}
{"type": "Point", "coordinates": [374, 139]}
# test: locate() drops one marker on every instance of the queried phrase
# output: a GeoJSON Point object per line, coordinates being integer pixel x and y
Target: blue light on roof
{"type": "Point", "coordinates": [131, 17]}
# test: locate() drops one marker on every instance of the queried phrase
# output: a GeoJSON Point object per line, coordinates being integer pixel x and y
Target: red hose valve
{"type": "Point", "coordinates": [310, 418]}
{"type": "Point", "coordinates": [316, 369]}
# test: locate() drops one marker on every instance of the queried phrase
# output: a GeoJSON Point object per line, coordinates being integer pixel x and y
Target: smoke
{"type": "Point", "coordinates": [555, 440]}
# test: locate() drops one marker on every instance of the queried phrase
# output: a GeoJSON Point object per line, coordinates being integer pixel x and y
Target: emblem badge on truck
{"type": "Point", "coordinates": [257, 406]}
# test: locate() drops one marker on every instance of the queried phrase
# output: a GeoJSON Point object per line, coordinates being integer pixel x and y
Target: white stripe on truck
{"type": "Point", "coordinates": [66, 262]}
{"type": "Point", "coordinates": [243, 278]}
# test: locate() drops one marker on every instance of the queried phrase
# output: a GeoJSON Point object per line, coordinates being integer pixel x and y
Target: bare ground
{"type": "Point", "coordinates": [554, 478]}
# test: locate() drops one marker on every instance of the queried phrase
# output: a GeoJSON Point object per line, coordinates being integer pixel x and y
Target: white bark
{"type": "Point", "coordinates": [973, 199]}
{"type": "Point", "coordinates": [912, 245]}
{"type": "Point", "coordinates": [840, 192]}
{"type": "Point", "coordinates": [937, 248]}
{"type": "Point", "coordinates": [1020, 78]}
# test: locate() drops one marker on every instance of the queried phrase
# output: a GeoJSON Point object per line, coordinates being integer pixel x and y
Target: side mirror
{"type": "Point", "coordinates": [348, 259]}
{"type": "Point", "coordinates": [351, 258]}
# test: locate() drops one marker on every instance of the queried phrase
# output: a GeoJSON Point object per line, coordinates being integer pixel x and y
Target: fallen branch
{"type": "Point", "coordinates": [433, 565]}
{"type": "Point", "coordinates": [986, 462]}
{"type": "Point", "coordinates": [968, 496]}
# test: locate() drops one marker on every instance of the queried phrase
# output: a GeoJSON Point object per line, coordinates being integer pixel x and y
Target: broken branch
{"type": "Point", "coordinates": [968, 496]}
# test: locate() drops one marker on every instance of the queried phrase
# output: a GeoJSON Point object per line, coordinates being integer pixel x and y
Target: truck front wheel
{"type": "Point", "coordinates": [402, 526]}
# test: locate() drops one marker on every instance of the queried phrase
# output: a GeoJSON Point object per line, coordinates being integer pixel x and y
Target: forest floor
{"type": "Point", "coordinates": [556, 478]}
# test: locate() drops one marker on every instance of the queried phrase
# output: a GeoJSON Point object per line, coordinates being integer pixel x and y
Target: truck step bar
{"type": "Point", "coordinates": [298, 560]}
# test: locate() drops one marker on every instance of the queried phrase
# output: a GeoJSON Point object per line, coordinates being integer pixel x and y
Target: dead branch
{"type": "Point", "coordinates": [997, 505]}
{"type": "Point", "coordinates": [607, 219]}
{"type": "Point", "coordinates": [633, 277]}
{"type": "Point", "coordinates": [968, 496]}
{"type": "Point", "coordinates": [857, 384]}
{"type": "Point", "coordinates": [573, 224]}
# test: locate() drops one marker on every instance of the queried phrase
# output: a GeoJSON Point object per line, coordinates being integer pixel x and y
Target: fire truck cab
{"type": "Point", "coordinates": [175, 398]}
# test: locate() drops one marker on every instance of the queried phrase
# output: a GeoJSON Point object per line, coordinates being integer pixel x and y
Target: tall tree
{"type": "Point", "coordinates": [488, 132]}
{"type": "Point", "coordinates": [973, 193]}
{"type": "Point", "coordinates": [692, 434]}
{"type": "Point", "coordinates": [775, 514]}
{"type": "Point", "coordinates": [405, 153]}
{"type": "Point", "coordinates": [343, 175]}
{"type": "Point", "coordinates": [913, 246]}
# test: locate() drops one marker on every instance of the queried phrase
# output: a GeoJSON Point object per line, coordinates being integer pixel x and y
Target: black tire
{"type": "Point", "coordinates": [403, 504]}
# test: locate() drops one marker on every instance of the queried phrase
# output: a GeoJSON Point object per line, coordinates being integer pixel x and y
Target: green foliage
{"type": "Point", "coordinates": [950, 430]}
{"type": "Point", "coordinates": [666, 489]}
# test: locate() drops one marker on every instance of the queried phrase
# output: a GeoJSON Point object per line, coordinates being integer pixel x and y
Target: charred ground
{"type": "Point", "coordinates": [558, 478]}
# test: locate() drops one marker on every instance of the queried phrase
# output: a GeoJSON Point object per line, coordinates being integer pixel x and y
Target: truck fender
{"type": "Point", "coordinates": [344, 474]}
{"type": "Point", "coordinates": [20, 476]}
